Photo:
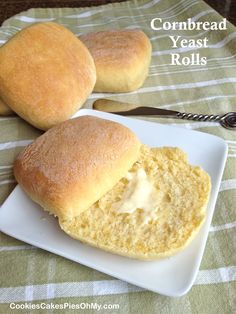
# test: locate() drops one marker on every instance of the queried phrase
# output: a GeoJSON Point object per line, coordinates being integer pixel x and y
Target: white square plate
{"type": "Point", "coordinates": [23, 219]}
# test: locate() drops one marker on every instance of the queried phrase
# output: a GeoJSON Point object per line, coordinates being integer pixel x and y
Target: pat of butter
{"type": "Point", "coordinates": [140, 193]}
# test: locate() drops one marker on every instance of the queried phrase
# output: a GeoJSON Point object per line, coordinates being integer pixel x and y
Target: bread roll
{"type": "Point", "coordinates": [110, 192]}
{"type": "Point", "coordinates": [72, 165]}
{"type": "Point", "coordinates": [4, 109]}
{"type": "Point", "coordinates": [46, 74]}
{"type": "Point", "coordinates": [181, 193]}
{"type": "Point", "coordinates": [122, 58]}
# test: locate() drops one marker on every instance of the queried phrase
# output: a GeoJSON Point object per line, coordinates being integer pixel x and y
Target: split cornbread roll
{"type": "Point", "coordinates": [46, 74]}
{"type": "Point", "coordinates": [122, 58]}
{"type": "Point", "coordinates": [75, 163]}
{"type": "Point", "coordinates": [113, 193]}
{"type": "Point", "coordinates": [143, 222]}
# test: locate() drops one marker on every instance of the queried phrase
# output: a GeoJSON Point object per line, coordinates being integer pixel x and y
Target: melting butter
{"type": "Point", "coordinates": [140, 193]}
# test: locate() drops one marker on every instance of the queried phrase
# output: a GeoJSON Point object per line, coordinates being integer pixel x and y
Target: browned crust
{"type": "Point", "coordinates": [4, 109]}
{"type": "Point", "coordinates": [72, 165]}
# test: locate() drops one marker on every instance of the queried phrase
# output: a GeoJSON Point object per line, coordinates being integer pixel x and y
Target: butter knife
{"type": "Point", "coordinates": [227, 120]}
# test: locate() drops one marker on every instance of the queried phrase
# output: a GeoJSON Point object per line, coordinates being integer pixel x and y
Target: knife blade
{"type": "Point", "coordinates": [126, 109]}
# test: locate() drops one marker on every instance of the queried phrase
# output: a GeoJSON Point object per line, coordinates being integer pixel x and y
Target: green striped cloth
{"type": "Point", "coordinates": [29, 274]}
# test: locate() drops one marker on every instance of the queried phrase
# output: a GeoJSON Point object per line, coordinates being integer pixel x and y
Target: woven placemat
{"type": "Point", "coordinates": [29, 274]}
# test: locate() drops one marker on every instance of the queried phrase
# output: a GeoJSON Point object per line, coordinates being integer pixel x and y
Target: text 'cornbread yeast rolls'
{"type": "Point", "coordinates": [111, 192]}
{"type": "Point", "coordinates": [46, 74]}
{"type": "Point", "coordinates": [72, 165]}
{"type": "Point", "coordinates": [121, 57]}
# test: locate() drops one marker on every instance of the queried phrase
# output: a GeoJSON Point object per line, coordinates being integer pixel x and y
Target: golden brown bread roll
{"type": "Point", "coordinates": [122, 58]}
{"type": "Point", "coordinates": [72, 165]}
{"type": "Point", "coordinates": [109, 191]}
{"type": "Point", "coordinates": [46, 74]}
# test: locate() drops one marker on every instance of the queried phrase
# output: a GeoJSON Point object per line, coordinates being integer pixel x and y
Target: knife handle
{"type": "Point", "coordinates": [198, 117]}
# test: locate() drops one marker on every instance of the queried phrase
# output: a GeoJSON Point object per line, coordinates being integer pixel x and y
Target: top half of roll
{"type": "Point", "coordinates": [73, 164]}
